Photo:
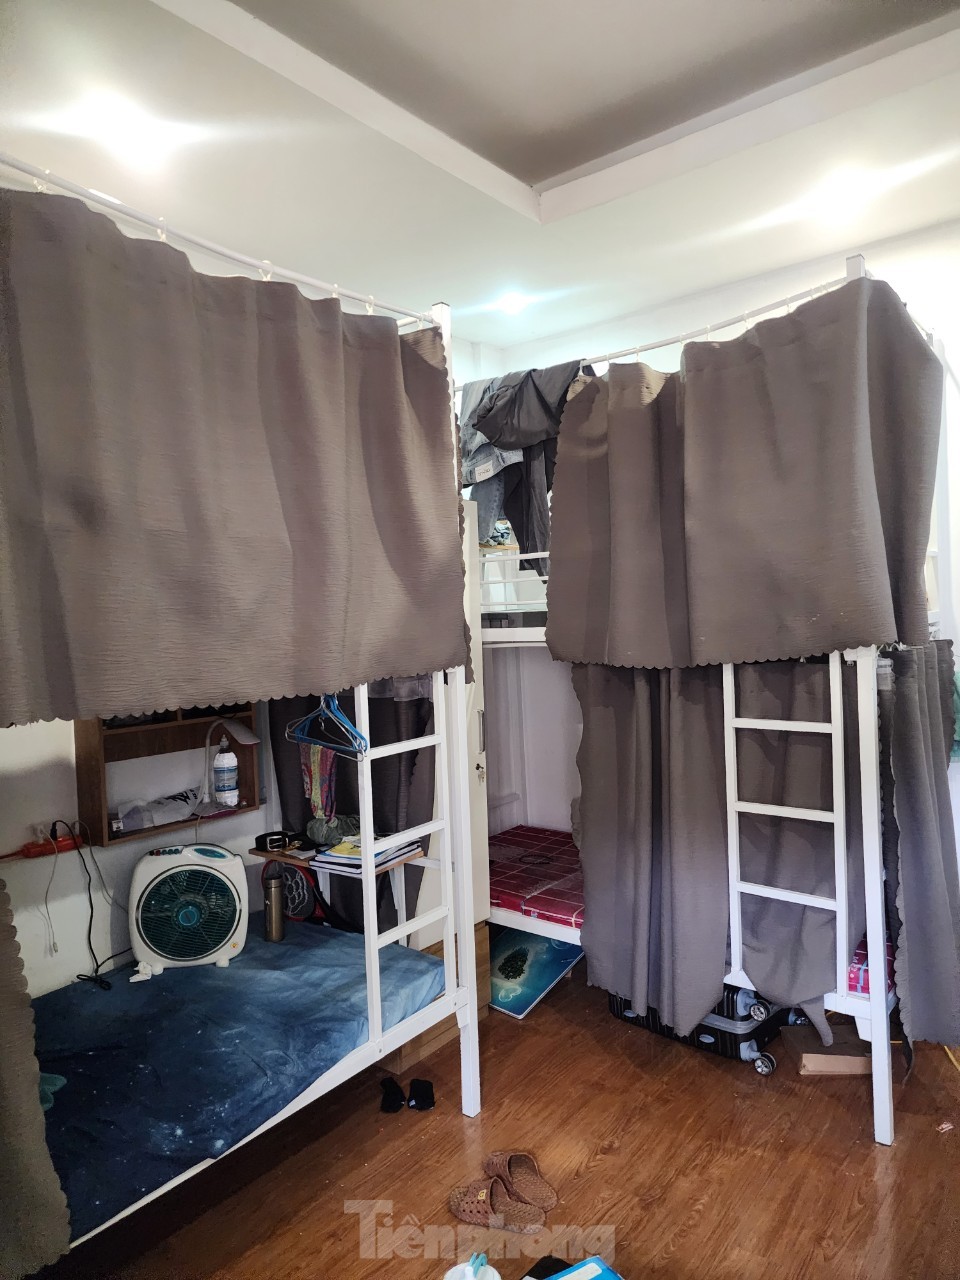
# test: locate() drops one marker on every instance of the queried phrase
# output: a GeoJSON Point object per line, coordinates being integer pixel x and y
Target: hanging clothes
{"type": "Point", "coordinates": [521, 409]}
{"type": "Point", "coordinates": [482, 463]}
{"type": "Point", "coordinates": [508, 436]}
{"type": "Point", "coordinates": [318, 766]}
{"type": "Point", "coordinates": [526, 501]}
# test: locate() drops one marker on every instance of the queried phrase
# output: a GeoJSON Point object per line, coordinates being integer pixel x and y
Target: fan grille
{"type": "Point", "coordinates": [188, 913]}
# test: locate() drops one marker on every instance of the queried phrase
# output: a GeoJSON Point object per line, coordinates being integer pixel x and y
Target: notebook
{"type": "Point", "coordinates": [592, 1269]}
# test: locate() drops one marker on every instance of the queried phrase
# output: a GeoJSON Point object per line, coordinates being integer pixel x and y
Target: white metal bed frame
{"type": "Point", "coordinates": [450, 830]}
{"type": "Point", "coordinates": [506, 589]}
{"type": "Point", "coordinates": [509, 584]}
{"type": "Point", "coordinates": [451, 852]}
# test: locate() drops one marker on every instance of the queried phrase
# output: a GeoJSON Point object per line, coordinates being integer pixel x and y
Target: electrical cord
{"type": "Point", "coordinates": [51, 931]}
{"type": "Point", "coordinates": [95, 976]}
{"type": "Point", "coordinates": [74, 831]}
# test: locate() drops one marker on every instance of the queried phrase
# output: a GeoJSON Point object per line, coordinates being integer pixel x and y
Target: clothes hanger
{"type": "Point", "coordinates": [328, 727]}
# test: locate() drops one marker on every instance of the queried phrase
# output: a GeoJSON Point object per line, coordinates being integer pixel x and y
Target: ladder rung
{"type": "Point", "coordinates": [784, 811]}
{"type": "Point", "coordinates": [411, 926]}
{"type": "Point", "coordinates": [786, 895]}
{"type": "Point", "coordinates": [398, 748]}
{"type": "Point", "coordinates": [792, 726]}
{"type": "Point", "coordinates": [411, 833]}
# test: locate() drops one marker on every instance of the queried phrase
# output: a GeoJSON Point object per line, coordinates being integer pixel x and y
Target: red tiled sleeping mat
{"type": "Point", "coordinates": [537, 872]}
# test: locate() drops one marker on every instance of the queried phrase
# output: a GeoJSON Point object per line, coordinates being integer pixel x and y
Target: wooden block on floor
{"type": "Point", "coordinates": [423, 1046]}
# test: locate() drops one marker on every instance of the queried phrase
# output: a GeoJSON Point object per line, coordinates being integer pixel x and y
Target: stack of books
{"type": "Point", "coordinates": [344, 858]}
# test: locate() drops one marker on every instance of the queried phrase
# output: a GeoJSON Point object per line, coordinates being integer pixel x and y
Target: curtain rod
{"type": "Point", "coordinates": [707, 329]}
{"type": "Point", "coordinates": [742, 318]}
{"type": "Point", "coordinates": [44, 177]}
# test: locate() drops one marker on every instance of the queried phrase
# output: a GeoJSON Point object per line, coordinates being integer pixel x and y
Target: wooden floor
{"type": "Point", "coordinates": [700, 1167]}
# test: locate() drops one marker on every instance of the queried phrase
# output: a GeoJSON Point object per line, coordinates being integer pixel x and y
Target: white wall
{"type": "Point", "coordinates": [923, 267]}
{"type": "Point", "coordinates": [533, 732]}
{"type": "Point", "coordinates": [38, 785]}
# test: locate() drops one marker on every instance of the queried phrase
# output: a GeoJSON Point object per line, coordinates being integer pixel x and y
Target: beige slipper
{"type": "Point", "coordinates": [487, 1203]}
{"type": "Point", "coordinates": [518, 1172]}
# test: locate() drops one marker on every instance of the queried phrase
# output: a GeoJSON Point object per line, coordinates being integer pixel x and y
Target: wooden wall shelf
{"type": "Point", "coordinates": [99, 743]}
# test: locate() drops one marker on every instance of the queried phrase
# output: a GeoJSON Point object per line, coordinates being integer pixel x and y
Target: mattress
{"type": "Point", "coordinates": [161, 1075]}
{"type": "Point", "coordinates": [536, 872]}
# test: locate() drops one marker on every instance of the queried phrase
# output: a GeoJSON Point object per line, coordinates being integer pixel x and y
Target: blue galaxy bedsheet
{"type": "Point", "coordinates": [166, 1073]}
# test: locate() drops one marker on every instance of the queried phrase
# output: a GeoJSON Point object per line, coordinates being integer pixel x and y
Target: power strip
{"type": "Point", "coordinates": [48, 847]}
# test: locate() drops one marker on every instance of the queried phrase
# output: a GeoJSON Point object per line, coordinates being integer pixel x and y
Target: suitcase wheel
{"type": "Point", "coordinates": [765, 1064]}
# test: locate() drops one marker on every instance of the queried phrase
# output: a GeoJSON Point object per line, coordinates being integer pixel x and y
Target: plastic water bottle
{"type": "Point", "coordinates": [225, 777]}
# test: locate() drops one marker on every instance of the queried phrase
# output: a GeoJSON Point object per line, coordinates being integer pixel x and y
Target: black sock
{"type": "Point", "coordinates": [421, 1095]}
{"type": "Point", "coordinates": [393, 1096]}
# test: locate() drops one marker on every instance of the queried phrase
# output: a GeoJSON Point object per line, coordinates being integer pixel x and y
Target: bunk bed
{"type": "Point", "coordinates": [514, 606]}
{"type": "Point", "coordinates": [169, 1075]}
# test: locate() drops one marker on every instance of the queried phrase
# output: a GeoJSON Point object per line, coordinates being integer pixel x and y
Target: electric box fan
{"type": "Point", "coordinates": [188, 906]}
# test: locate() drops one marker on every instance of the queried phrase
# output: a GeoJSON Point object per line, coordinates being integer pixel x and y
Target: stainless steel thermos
{"type": "Point", "coordinates": [273, 909]}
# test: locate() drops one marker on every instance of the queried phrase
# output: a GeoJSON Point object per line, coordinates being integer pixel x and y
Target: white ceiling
{"type": "Point", "coordinates": [270, 168]}
{"type": "Point", "coordinates": [543, 88]}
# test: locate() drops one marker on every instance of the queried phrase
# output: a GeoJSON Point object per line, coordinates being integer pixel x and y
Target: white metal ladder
{"type": "Point", "coordinates": [450, 859]}
{"type": "Point", "coordinates": [871, 1011]}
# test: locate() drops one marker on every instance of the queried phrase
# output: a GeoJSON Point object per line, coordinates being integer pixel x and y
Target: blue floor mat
{"type": "Point", "coordinates": [163, 1074]}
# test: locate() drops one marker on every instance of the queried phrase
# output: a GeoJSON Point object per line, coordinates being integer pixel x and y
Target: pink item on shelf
{"type": "Point", "coordinates": [858, 975]}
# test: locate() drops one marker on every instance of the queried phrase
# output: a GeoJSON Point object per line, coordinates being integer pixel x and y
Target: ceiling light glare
{"type": "Point", "coordinates": [511, 304]}
{"type": "Point", "coordinates": [133, 135]}
{"type": "Point", "coordinates": [843, 196]}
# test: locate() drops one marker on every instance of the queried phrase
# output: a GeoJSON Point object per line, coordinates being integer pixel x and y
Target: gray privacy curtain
{"type": "Point", "coordinates": [34, 1223]}
{"type": "Point", "coordinates": [654, 835]}
{"type": "Point", "coordinates": [770, 501]}
{"type": "Point", "coordinates": [211, 488]}
{"type": "Point", "coordinates": [923, 895]}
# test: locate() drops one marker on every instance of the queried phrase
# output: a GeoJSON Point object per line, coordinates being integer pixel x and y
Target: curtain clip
{"type": "Point", "coordinates": [335, 293]}
{"type": "Point", "coordinates": [162, 230]}
{"type": "Point", "coordinates": [266, 271]}
{"type": "Point", "coordinates": [40, 183]}
{"type": "Point", "coordinates": [371, 303]}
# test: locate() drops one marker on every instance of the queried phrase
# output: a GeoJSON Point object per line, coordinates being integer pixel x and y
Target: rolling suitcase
{"type": "Point", "coordinates": [740, 1027]}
